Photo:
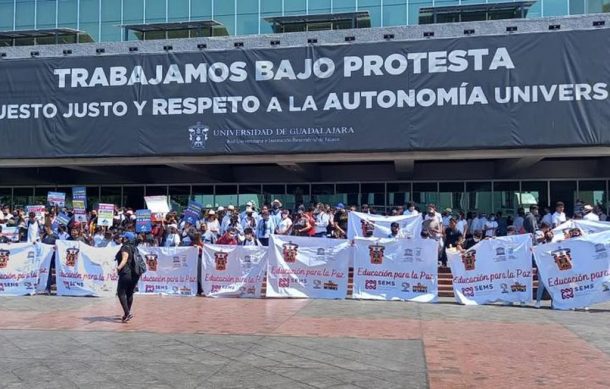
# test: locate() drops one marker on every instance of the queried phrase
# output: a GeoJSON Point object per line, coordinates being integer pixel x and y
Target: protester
{"type": "Point", "coordinates": [127, 279]}
{"type": "Point", "coordinates": [589, 214]}
{"type": "Point", "coordinates": [559, 216]}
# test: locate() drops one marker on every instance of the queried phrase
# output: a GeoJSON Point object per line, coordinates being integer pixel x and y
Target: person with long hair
{"type": "Point", "coordinates": [127, 279]}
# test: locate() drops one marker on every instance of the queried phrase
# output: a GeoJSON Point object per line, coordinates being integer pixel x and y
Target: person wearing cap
{"type": "Point", "coordinates": [249, 220]}
{"type": "Point", "coordinates": [226, 219]}
{"type": "Point", "coordinates": [589, 214]}
{"type": "Point", "coordinates": [127, 279]}
{"type": "Point", "coordinates": [340, 222]}
{"type": "Point", "coordinates": [559, 216]}
{"type": "Point", "coordinates": [173, 238]}
{"type": "Point", "coordinates": [251, 209]}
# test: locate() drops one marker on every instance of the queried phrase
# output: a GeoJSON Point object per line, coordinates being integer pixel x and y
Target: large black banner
{"type": "Point", "coordinates": [523, 90]}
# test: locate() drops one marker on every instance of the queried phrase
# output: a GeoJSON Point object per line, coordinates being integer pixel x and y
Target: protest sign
{"type": "Point", "coordinates": [39, 210]}
{"type": "Point", "coordinates": [19, 268]}
{"type": "Point", "coordinates": [105, 215]}
{"type": "Point", "coordinates": [193, 212]}
{"type": "Point", "coordinates": [170, 271]}
{"type": "Point", "coordinates": [308, 267]}
{"type": "Point", "coordinates": [83, 270]}
{"type": "Point", "coordinates": [79, 203]}
{"type": "Point", "coordinates": [493, 270]}
{"type": "Point", "coordinates": [396, 269]}
{"type": "Point", "coordinates": [233, 271]}
{"type": "Point", "coordinates": [377, 226]}
{"type": "Point", "coordinates": [56, 199]}
{"type": "Point", "coordinates": [143, 223]}
{"type": "Point", "coordinates": [157, 204]}
{"type": "Point", "coordinates": [576, 272]}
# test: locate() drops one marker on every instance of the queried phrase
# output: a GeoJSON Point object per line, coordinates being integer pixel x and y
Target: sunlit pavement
{"type": "Point", "coordinates": [180, 342]}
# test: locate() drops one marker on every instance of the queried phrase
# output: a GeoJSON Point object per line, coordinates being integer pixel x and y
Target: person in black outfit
{"type": "Point", "coordinates": [127, 279]}
{"type": "Point", "coordinates": [453, 238]}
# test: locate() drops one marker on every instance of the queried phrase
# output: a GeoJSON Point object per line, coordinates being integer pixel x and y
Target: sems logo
{"type": "Point", "coordinates": [198, 136]}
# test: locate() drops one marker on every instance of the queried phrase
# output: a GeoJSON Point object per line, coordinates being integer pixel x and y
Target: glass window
{"type": "Point", "coordinates": [394, 12]}
{"type": "Point", "coordinates": [348, 194]}
{"type": "Point", "coordinates": [179, 197]}
{"type": "Point", "coordinates": [577, 7]}
{"type": "Point", "coordinates": [40, 195]}
{"type": "Point", "coordinates": [225, 195]}
{"type": "Point", "coordinates": [505, 197]}
{"type": "Point", "coordinates": [23, 197]}
{"type": "Point", "coordinates": [451, 195]}
{"type": "Point", "coordinates": [93, 196]}
{"type": "Point", "coordinates": [555, 7]}
{"type": "Point", "coordinates": [6, 14]}
{"type": "Point", "coordinates": [204, 194]}
{"type": "Point", "coordinates": [344, 6]}
{"type": "Point", "coordinates": [414, 6]}
{"type": "Point", "coordinates": [133, 197]}
{"type": "Point", "coordinates": [374, 8]}
{"type": "Point", "coordinates": [323, 193]}
{"type": "Point", "coordinates": [374, 195]}
{"type": "Point", "coordinates": [251, 193]}
{"type": "Point", "coordinates": [133, 13]}
{"type": "Point", "coordinates": [272, 192]}
{"type": "Point", "coordinates": [111, 195]}
{"type": "Point", "coordinates": [89, 18]}
{"type": "Point", "coordinates": [297, 194]}
{"type": "Point", "coordinates": [156, 190]}
{"type": "Point", "coordinates": [247, 17]}
{"type": "Point", "coordinates": [45, 13]}
{"type": "Point", "coordinates": [479, 196]}
{"type": "Point", "coordinates": [155, 11]}
{"type": "Point", "coordinates": [564, 191]}
{"type": "Point", "coordinates": [67, 13]}
{"type": "Point", "coordinates": [201, 9]}
{"type": "Point", "coordinates": [178, 10]}
{"type": "Point", "coordinates": [319, 6]}
{"type": "Point", "coordinates": [6, 196]}
{"type": "Point", "coordinates": [295, 7]}
{"type": "Point", "coordinates": [597, 6]}
{"type": "Point", "coordinates": [593, 193]}
{"type": "Point", "coordinates": [269, 8]}
{"type": "Point", "coordinates": [533, 192]}
{"type": "Point", "coordinates": [111, 18]}
{"type": "Point", "coordinates": [425, 193]}
{"type": "Point", "coordinates": [224, 12]}
{"type": "Point", "coordinates": [24, 16]}
{"type": "Point", "coordinates": [399, 194]}
{"type": "Point", "coordinates": [535, 10]}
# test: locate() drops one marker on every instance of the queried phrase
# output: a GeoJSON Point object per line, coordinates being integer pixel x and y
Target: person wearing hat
{"type": "Point", "coordinates": [212, 222]}
{"type": "Point", "coordinates": [251, 209]}
{"type": "Point", "coordinates": [127, 279]}
{"type": "Point", "coordinates": [249, 220]}
{"type": "Point", "coordinates": [173, 238]}
{"type": "Point", "coordinates": [276, 212]}
{"type": "Point", "coordinates": [589, 214]}
{"type": "Point", "coordinates": [226, 218]}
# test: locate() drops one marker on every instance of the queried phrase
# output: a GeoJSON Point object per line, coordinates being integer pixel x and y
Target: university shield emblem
{"type": "Point", "coordinates": [220, 259]}
{"type": "Point", "coordinates": [72, 256]}
{"type": "Point", "coordinates": [563, 259]}
{"type": "Point", "coordinates": [468, 259]}
{"type": "Point", "coordinates": [198, 136]}
{"type": "Point", "coordinates": [4, 257]}
{"type": "Point", "coordinates": [376, 253]}
{"type": "Point", "coordinates": [289, 252]}
{"type": "Point", "coordinates": [151, 261]}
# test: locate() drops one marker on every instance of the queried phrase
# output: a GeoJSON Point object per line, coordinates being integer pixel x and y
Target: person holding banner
{"type": "Point", "coordinates": [33, 228]}
{"type": "Point", "coordinates": [127, 279]}
{"type": "Point", "coordinates": [3, 239]}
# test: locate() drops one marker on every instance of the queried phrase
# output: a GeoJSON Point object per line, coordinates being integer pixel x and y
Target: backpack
{"type": "Point", "coordinates": [138, 266]}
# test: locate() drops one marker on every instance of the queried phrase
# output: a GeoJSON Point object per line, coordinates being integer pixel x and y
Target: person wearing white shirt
{"type": "Point", "coordinates": [559, 216]}
{"type": "Point", "coordinates": [411, 211]}
{"type": "Point", "coordinates": [33, 228]}
{"type": "Point", "coordinates": [173, 238]}
{"type": "Point", "coordinates": [548, 217]}
{"type": "Point", "coordinates": [284, 227]}
{"type": "Point", "coordinates": [322, 221]}
{"type": "Point", "coordinates": [478, 224]}
{"type": "Point", "coordinates": [212, 222]}
{"type": "Point", "coordinates": [491, 226]}
{"type": "Point", "coordinates": [589, 214]}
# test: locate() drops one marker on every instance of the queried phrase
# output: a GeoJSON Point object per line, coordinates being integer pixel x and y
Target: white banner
{"type": "Point", "coordinates": [576, 228]}
{"type": "Point", "coordinates": [18, 269]}
{"type": "Point", "coordinates": [494, 270]}
{"type": "Point", "coordinates": [170, 271]}
{"type": "Point", "coordinates": [576, 272]}
{"type": "Point", "coordinates": [157, 204]}
{"type": "Point", "coordinates": [396, 269]}
{"type": "Point", "coordinates": [44, 252]}
{"type": "Point", "coordinates": [308, 267]}
{"type": "Point", "coordinates": [83, 270]}
{"type": "Point", "coordinates": [233, 271]}
{"type": "Point", "coordinates": [377, 226]}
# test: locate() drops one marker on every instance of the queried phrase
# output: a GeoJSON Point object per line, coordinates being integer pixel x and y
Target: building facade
{"type": "Point", "coordinates": [101, 19]}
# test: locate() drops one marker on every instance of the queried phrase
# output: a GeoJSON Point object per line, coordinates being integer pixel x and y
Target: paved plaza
{"type": "Point", "coordinates": [173, 342]}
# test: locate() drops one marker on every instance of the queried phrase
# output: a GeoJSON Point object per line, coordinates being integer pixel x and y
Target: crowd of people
{"type": "Point", "coordinates": [251, 225]}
